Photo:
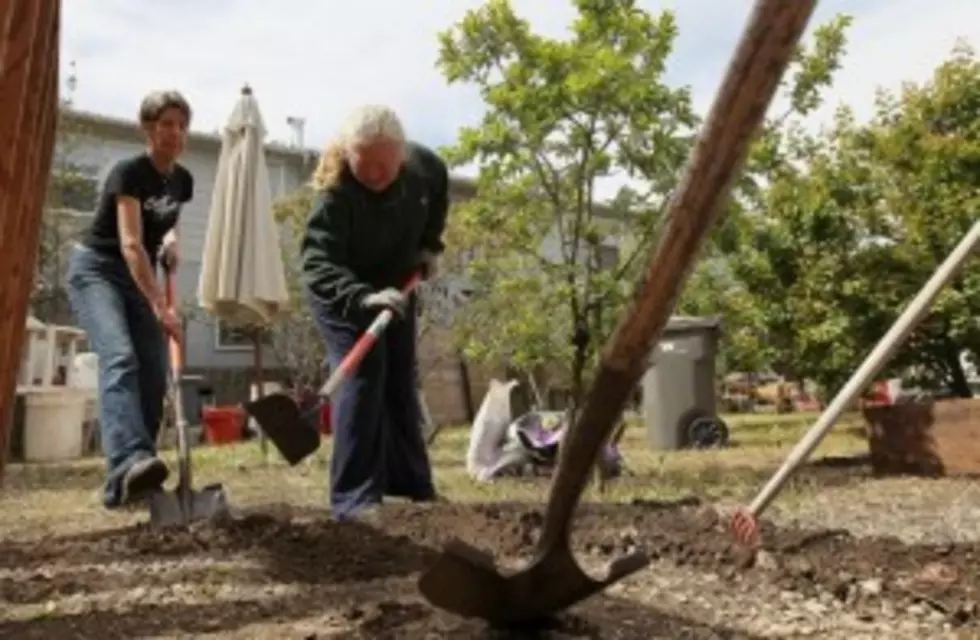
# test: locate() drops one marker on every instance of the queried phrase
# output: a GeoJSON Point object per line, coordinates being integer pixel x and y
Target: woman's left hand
{"type": "Point", "coordinates": [429, 264]}
{"type": "Point", "coordinates": [169, 254]}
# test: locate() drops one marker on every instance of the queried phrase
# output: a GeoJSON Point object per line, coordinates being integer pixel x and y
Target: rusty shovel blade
{"type": "Point", "coordinates": [280, 418]}
{"type": "Point", "coordinates": [465, 581]}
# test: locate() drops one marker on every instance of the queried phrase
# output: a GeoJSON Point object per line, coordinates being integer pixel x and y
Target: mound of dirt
{"type": "Point", "coordinates": [281, 564]}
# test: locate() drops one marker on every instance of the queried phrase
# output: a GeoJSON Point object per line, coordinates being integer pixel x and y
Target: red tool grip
{"type": "Point", "coordinates": [370, 337]}
{"type": "Point", "coordinates": [364, 344]}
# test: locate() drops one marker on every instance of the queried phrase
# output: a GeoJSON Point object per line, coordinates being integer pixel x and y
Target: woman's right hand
{"type": "Point", "coordinates": [169, 321]}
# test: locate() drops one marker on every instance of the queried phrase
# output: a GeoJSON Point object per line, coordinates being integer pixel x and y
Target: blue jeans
{"type": "Point", "coordinates": [378, 446]}
{"type": "Point", "coordinates": [126, 336]}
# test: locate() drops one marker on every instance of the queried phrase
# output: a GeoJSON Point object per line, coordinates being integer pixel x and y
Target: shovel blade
{"type": "Point", "coordinates": [465, 581]}
{"type": "Point", "coordinates": [280, 419]}
{"type": "Point", "coordinates": [181, 508]}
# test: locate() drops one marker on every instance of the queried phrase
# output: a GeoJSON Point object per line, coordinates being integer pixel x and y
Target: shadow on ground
{"type": "Point", "coordinates": [301, 570]}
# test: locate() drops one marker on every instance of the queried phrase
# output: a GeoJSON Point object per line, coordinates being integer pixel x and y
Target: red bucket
{"type": "Point", "coordinates": [223, 425]}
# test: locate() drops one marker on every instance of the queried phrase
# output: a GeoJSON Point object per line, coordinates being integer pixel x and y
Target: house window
{"type": "Point", "coordinates": [607, 256]}
{"type": "Point", "coordinates": [237, 338]}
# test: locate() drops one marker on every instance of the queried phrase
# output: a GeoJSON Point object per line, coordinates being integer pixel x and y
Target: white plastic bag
{"type": "Point", "coordinates": [489, 430]}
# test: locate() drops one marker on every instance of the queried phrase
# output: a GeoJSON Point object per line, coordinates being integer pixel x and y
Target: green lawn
{"type": "Point", "coordinates": [55, 497]}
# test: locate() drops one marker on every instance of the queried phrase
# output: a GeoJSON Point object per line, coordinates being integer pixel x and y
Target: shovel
{"type": "Point", "coordinates": [280, 417]}
{"type": "Point", "coordinates": [464, 580]}
{"type": "Point", "coordinates": [184, 505]}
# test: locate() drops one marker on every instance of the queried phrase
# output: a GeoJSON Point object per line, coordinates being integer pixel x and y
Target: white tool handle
{"type": "Point", "coordinates": [880, 355]}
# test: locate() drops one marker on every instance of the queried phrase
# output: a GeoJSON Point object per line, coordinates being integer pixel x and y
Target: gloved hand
{"type": "Point", "coordinates": [429, 264]}
{"type": "Point", "coordinates": [389, 298]}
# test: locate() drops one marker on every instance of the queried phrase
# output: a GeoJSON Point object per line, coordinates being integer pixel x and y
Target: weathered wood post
{"type": "Point", "coordinates": [29, 43]}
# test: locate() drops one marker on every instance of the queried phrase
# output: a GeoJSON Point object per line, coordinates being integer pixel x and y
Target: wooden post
{"type": "Point", "coordinates": [29, 43]}
{"type": "Point", "coordinates": [257, 334]}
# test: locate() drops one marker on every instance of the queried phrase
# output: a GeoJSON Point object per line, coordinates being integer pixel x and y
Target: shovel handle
{"type": "Point", "coordinates": [365, 343]}
{"type": "Point", "coordinates": [169, 295]}
{"type": "Point", "coordinates": [764, 51]}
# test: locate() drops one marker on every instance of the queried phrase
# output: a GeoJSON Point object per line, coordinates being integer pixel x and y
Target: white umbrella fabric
{"type": "Point", "coordinates": [242, 280]}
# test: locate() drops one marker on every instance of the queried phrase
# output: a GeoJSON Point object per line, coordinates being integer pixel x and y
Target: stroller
{"type": "Point", "coordinates": [501, 446]}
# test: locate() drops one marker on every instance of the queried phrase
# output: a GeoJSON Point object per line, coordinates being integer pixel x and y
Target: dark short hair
{"type": "Point", "coordinates": [155, 103]}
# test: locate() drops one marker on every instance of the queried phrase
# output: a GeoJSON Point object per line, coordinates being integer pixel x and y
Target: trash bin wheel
{"type": "Point", "coordinates": [706, 431]}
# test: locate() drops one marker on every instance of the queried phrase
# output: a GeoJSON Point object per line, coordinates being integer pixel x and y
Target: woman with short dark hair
{"type": "Point", "coordinates": [115, 295]}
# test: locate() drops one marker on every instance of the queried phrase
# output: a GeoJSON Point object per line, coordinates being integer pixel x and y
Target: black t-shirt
{"type": "Point", "coordinates": [160, 196]}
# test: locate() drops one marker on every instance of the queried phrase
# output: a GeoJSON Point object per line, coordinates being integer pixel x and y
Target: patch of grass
{"type": "Point", "coordinates": [760, 445]}
{"type": "Point", "coordinates": [53, 497]}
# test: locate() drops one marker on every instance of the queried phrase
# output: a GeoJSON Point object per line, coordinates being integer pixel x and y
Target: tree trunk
{"type": "Point", "coordinates": [959, 386]}
{"type": "Point", "coordinates": [29, 43]}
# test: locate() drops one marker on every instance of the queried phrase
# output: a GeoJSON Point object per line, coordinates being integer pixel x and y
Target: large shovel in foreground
{"type": "Point", "coordinates": [465, 580]}
{"type": "Point", "coordinates": [280, 417]}
{"type": "Point", "coordinates": [184, 505]}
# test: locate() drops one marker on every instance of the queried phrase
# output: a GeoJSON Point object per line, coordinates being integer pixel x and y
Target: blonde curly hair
{"type": "Point", "coordinates": [365, 123]}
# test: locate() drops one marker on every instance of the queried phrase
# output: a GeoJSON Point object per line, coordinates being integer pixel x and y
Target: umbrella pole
{"type": "Point", "coordinates": [259, 384]}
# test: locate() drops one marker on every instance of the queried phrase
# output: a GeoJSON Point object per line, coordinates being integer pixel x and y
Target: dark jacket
{"type": "Point", "coordinates": [358, 241]}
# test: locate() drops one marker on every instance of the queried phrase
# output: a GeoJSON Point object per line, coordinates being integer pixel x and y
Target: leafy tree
{"type": "Point", "coordinates": [70, 192]}
{"type": "Point", "coordinates": [850, 223]}
{"type": "Point", "coordinates": [547, 263]}
{"type": "Point", "coordinates": [295, 339]}
{"type": "Point", "coordinates": [770, 265]}
{"type": "Point", "coordinates": [914, 185]}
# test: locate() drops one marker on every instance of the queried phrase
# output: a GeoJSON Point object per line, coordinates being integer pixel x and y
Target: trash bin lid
{"type": "Point", "coordinates": [687, 324]}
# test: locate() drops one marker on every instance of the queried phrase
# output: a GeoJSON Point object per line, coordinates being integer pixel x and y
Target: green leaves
{"type": "Point", "coordinates": [837, 231]}
{"type": "Point", "coordinates": [829, 233]}
{"type": "Point", "coordinates": [71, 191]}
{"type": "Point", "coordinates": [295, 339]}
{"type": "Point", "coordinates": [561, 115]}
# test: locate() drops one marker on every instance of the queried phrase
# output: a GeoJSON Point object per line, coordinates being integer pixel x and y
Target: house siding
{"type": "Point", "coordinates": [101, 142]}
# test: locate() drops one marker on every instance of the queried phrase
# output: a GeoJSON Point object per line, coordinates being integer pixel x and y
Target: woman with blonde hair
{"type": "Point", "coordinates": [379, 215]}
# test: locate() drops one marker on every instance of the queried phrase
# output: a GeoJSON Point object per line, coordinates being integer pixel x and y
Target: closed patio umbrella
{"type": "Point", "coordinates": [242, 281]}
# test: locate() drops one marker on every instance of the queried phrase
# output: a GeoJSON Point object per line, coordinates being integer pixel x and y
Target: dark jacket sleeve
{"type": "Point", "coordinates": [324, 257]}
{"type": "Point", "coordinates": [438, 175]}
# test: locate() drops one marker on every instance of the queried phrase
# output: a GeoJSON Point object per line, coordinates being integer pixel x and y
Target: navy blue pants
{"type": "Point", "coordinates": [378, 446]}
{"type": "Point", "coordinates": [129, 342]}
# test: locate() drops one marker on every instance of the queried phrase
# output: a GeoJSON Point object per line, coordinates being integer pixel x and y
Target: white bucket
{"type": "Point", "coordinates": [53, 418]}
{"type": "Point", "coordinates": [85, 375]}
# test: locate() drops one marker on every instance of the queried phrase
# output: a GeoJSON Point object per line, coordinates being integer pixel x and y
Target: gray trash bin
{"type": "Point", "coordinates": [679, 396]}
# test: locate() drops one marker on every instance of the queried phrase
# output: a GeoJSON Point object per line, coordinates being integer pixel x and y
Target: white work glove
{"type": "Point", "coordinates": [429, 264]}
{"type": "Point", "coordinates": [389, 298]}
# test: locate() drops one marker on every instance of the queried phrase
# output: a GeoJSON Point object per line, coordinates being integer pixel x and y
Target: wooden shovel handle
{"type": "Point", "coordinates": [753, 75]}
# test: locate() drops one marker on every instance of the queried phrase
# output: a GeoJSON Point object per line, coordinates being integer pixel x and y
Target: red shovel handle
{"type": "Point", "coordinates": [364, 344]}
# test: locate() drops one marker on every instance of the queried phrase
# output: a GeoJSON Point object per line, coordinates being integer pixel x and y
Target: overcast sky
{"type": "Point", "coordinates": [316, 59]}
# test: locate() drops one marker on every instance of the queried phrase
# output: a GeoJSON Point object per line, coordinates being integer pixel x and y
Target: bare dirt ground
{"type": "Point", "coordinates": [861, 557]}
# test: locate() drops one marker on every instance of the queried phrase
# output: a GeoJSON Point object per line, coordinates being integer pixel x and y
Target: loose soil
{"type": "Point", "coordinates": [274, 565]}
